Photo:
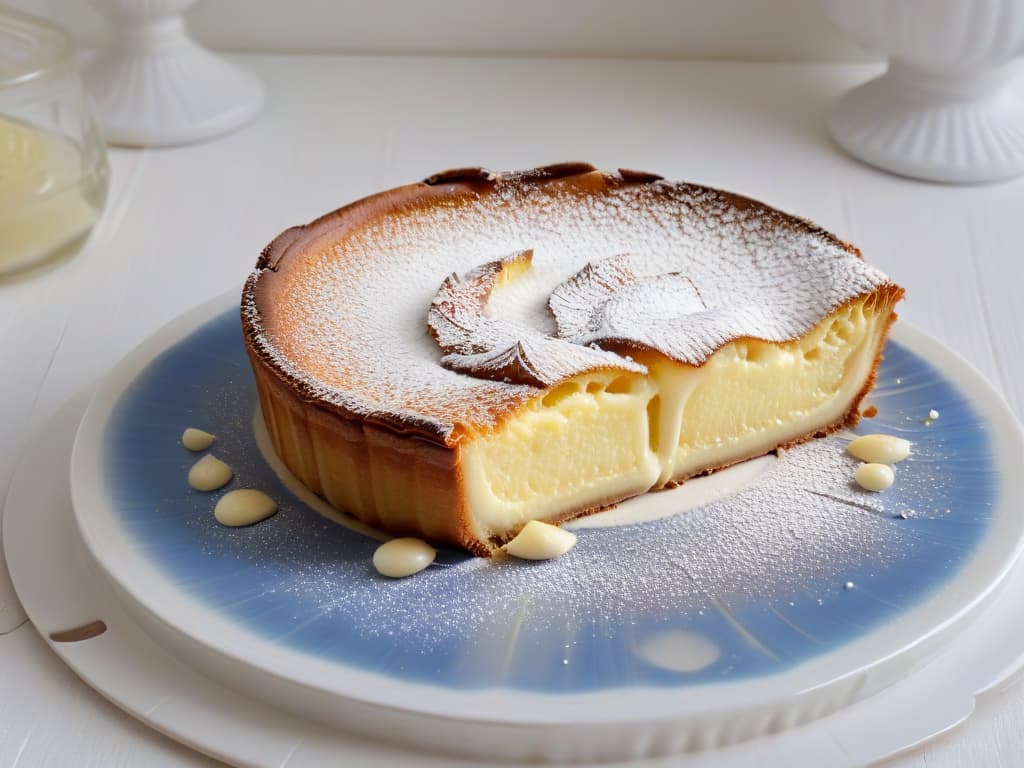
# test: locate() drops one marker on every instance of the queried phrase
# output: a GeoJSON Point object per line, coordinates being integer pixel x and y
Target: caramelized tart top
{"type": "Point", "coordinates": [437, 308]}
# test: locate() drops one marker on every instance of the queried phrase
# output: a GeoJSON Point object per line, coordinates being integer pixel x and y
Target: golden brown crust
{"type": "Point", "coordinates": [346, 461]}
{"type": "Point", "coordinates": [888, 296]}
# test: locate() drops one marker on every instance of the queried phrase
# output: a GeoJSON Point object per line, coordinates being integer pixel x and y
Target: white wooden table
{"type": "Point", "coordinates": [185, 224]}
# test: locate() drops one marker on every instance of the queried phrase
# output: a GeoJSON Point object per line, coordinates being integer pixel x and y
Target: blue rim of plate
{"type": "Point", "coordinates": [303, 585]}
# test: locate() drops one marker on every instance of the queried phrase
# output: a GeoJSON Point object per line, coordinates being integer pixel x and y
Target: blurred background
{"type": "Point", "coordinates": [746, 30]}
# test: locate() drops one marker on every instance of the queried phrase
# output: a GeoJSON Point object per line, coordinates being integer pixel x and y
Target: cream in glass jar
{"type": "Point", "coordinates": [53, 168]}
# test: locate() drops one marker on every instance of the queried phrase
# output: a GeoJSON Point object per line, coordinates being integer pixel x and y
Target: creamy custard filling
{"type": "Point", "coordinates": [604, 436]}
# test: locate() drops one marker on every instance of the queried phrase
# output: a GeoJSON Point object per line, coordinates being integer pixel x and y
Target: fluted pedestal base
{"type": "Point", "coordinates": [956, 128]}
{"type": "Point", "coordinates": [153, 86]}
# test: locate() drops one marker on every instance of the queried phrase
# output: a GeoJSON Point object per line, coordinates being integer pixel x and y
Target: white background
{"type": "Point", "coordinates": [747, 30]}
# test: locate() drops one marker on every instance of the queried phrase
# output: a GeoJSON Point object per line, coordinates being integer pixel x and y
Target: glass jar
{"type": "Point", "coordinates": [53, 163]}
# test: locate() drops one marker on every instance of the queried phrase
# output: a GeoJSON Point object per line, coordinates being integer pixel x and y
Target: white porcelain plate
{"type": "Point", "coordinates": [787, 594]}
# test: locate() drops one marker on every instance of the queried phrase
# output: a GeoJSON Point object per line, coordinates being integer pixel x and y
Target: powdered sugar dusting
{"type": "Point", "coordinates": [354, 309]}
{"type": "Point", "coordinates": [799, 524]}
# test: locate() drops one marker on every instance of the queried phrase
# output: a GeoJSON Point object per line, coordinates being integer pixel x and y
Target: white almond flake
{"type": "Point", "coordinates": [244, 506]}
{"type": "Point", "coordinates": [403, 557]}
{"type": "Point", "coordinates": [541, 541]}
{"type": "Point", "coordinates": [209, 474]}
{"type": "Point", "coordinates": [196, 439]}
{"type": "Point", "coordinates": [874, 477]}
{"type": "Point", "coordinates": [879, 449]}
